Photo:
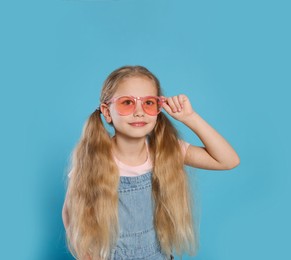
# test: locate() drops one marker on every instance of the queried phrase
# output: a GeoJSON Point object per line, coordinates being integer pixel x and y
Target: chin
{"type": "Point", "coordinates": [134, 133]}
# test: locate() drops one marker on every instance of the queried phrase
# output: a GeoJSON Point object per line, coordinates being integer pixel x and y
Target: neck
{"type": "Point", "coordinates": [130, 151]}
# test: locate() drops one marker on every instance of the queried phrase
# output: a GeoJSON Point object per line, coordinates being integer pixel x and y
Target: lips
{"type": "Point", "coordinates": [138, 124]}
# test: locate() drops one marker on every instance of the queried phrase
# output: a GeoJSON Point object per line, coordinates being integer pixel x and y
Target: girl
{"type": "Point", "coordinates": [127, 195]}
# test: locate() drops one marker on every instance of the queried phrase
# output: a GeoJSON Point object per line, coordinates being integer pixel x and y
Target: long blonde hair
{"type": "Point", "coordinates": [92, 197]}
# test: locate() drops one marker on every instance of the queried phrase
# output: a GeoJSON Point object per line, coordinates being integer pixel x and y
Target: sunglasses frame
{"type": "Point", "coordinates": [161, 100]}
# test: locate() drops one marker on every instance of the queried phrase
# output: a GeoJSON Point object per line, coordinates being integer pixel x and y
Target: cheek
{"type": "Point", "coordinates": [118, 119]}
{"type": "Point", "coordinates": [113, 113]}
{"type": "Point", "coordinates": [153, 122]}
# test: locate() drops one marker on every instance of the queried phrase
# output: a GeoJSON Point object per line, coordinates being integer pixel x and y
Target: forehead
{"type": "Point", "coordinates": [137, 86]}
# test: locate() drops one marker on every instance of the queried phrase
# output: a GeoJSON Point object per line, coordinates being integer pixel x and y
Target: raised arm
{"type": "Point", "coordinates": [217, 153]}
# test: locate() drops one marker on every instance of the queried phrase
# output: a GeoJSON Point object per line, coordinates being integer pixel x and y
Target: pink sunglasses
{"type": "Point", "coordinates": [126, 105]}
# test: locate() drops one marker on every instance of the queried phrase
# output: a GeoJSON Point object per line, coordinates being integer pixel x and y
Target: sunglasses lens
{"type": "Point", "coordinates": [152, 105]}
{"type": "Point", "coordinates": [125, 105]}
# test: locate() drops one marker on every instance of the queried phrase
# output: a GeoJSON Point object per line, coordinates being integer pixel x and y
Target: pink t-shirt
{"type": "Point", "coordinates": [147, 166]}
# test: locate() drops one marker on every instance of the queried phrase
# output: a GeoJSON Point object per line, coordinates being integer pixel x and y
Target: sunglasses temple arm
{"type": "Point", "coordinates": [164, 100]}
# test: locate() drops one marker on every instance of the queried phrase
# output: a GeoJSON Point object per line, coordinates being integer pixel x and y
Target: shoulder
{"type": "Point", "coordinates": [184, 146]}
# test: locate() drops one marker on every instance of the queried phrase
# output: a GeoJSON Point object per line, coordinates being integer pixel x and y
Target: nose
{"type": "Point", "coordinates": [138, 111]}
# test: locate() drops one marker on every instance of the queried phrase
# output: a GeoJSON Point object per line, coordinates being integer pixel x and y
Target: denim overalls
{"type": "Point", "coordinates": [137, 236]}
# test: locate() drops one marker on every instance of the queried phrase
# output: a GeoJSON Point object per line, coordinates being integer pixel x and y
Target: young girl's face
{"type": "Point", "coordinates": [137, 124]}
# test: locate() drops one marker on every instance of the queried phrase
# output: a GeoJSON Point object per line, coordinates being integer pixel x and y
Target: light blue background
{"type": "Point", "coordinates": [231, 57]}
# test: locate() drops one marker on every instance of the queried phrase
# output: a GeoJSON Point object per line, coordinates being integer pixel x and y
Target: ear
{"type": "Point", "coordinates": [106, 112]}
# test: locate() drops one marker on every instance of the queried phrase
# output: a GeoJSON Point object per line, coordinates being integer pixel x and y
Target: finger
{"type": "Point", "coordinates": [182, 99]}
{"type": "Point", "coordinates": [172, 104]}
{"type": "Point", "coordinates": [167, 108]}
{"type": "Point", "coordinates": [177, 103]}
{"type": "Point", "coordinates": [164, 100]}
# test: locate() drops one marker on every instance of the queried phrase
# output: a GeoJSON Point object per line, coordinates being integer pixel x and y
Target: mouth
{"type": "Point", "coordinates": [138, 124]}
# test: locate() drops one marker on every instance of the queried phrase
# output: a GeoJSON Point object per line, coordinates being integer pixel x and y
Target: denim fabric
{"type": "Point", "coordinates": [137, 236]}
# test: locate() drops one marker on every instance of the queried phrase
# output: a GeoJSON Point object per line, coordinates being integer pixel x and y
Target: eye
{"type": "Point", "coordinates": [151, 102]}
{"type": "Point", "coordinates": [127, 101]}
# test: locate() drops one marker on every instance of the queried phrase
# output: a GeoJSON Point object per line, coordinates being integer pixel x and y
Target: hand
{"type": "Point", "coordinates": [178, 107]}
